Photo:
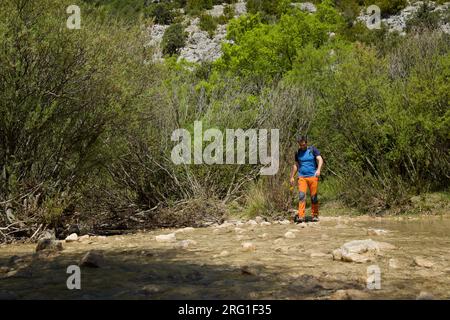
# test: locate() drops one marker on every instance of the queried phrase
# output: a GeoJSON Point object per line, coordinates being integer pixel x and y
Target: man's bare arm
{"type": "Point", "coordinates": [319, 165]}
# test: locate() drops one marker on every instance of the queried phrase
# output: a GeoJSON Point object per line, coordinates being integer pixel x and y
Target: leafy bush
{"type": "Point", "coordinates": [173, 39]}
{"type": "Point", "coordinates": [424, 19]}
{"type": "Point", "coordinates": [161, 12]}
{"type": "Point", "coordinates": [208, 24]}
{"type": "Point", "coordinates": [195, 7]}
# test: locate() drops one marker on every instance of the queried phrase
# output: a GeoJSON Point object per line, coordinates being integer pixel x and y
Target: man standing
{"type": "Point", "coordinates": [308, 163]}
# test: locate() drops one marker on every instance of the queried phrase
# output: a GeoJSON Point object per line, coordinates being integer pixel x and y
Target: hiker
{"type": "Point", "coordinates": [308, 163]}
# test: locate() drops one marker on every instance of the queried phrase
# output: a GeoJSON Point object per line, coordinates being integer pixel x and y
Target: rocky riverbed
{"type": "Point", "coordinates": [332, 259]}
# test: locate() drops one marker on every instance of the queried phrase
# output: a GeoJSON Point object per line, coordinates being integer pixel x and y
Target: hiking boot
{"type": "Point", "coordinates": [315, 219]}
{"type": "Point", "coordinates": [297, 219]}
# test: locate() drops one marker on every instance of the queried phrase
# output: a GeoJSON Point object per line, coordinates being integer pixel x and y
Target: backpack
{"type": "Point", "coordinates": [311, 149]}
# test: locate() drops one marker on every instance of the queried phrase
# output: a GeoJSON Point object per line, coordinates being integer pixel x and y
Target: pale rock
{"type": "Point", "coordinates": [185, 230]}
{"type": "Point", "coordinates": [240, 8]}
{"type": "Point", "coordinates": [216, 11]}
{"type": "Point", "coordinates": [422, 262]}
{"type": "Point", "coordinates": [72, 237]}
{"type": "Point", "coordinates": [376, 232]}
{"type": "Point", "coordinates": [184, 244]}
{"type": "Point", "coordinates": [278, 241]}
{"type": "Point", "coordinates": [166, 237]}
{"type": "Point", "coordinates": [289, 235]}
{"type": "Point", "coordinates": [349, 294]}
{"type": "Point", "coordinates": [248, 246]}
{"type": "Point", "coordinates": [305, 6]}
{"type": "Point", "coordinates": [423, 295]}
{"type": "Point", "coordinates": [83, 238]}
{"type": "Point", "coordinates": [239, 230]}
{"type": "Point", "coordinates": [360, 251]}
{"type": "Point", "coordinates": [259, 219]}
{"type": "Point", "coordinates": [394, 264]}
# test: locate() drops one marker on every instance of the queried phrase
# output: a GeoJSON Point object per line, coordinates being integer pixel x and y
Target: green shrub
{"type": "Point", "coordinates": [424, 19]}
{"type": "Point", "coordinates": [388, 7]}
{"type": "Point", "coordinates": [195, 7]}
{"type": "Point", "coordinates": [161, 13]}
{"type": "Point", "coordinates": [208, 24]}
{"type": "Point", "coordinates": [173, 39]}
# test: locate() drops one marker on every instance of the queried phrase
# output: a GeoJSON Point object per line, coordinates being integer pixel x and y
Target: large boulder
{"type": "Point", "coordinates": [360, 251]}
{"type": "Point", "coordinates": [92, 259]}
{"type": "Point", "coordinates": [49, 245]}
{"type": "Point", "coordinates": [72, 237]}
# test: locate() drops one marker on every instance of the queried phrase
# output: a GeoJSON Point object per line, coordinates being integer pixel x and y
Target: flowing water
{"type": "Point", "coordinates": [216, 266]}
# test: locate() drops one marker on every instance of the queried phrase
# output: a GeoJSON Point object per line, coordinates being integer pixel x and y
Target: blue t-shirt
{"type": "Point", "coordinates": [306, 160]}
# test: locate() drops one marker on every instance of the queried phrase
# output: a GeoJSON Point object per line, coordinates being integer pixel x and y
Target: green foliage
{"type": "Point", "coordinates": [208, 24]}
{"type": "Point", "coordinates": [195, 7]}
{"type": "Point", "coordinates": [173, 40]}
{"type": "Point", "coordinates": [388, 6]}
{"type": "Point", "coordinates": [161, 13]}
{"type": "Point", "coordinates": [424, 19]}
{"type": "Point", "coordinates": [267, 51]}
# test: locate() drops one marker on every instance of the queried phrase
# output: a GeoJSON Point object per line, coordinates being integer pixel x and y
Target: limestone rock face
{"type": "Point", "coordinates": [398, 22]}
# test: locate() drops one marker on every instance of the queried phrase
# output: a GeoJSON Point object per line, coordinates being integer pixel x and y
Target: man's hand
{"type": "Point", "coordinates": [317, 174]}
{"type": "Point", "coordinates": [292, 181]}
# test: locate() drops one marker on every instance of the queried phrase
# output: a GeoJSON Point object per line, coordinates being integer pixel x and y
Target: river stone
{"type": "Point", "coordinates": [252, 222]}
{"type": "Point", "coordinates": [278, 241]}
{"type": "Point", "coordinates": [239, 230]}
{"type": "Point", "coordinates": [318, 255]}
{"type": "Point", "coordinates": [394, 264]}
{"type": "Point", "coordinates": [92, 259]}
{"type": "Point", "coordinates": [166, 237]}
{"type": "Point", "coordinates": [184, 244]}
{"type": "Point", "coordinates": [423, 295]}
{"type": "Point", "coordinates": [265, 223]}
{"type": "Point", "coordinates": [422, 262]}
{"type": "Point", "coordinates": [284, 222]}
{"type": "Point", "coordinates": [259, 219]}
{"type": "Point", "coordinates": [248, 246]}
{"type": "Point", "coordinates": [50, 245]}
{"type": "Point", "coordinates": [185, 230]}
{"type": "Point", "coordinates": [349, 294]}
{"type": "Point", "coordinates": [222, 254]}
{"type": "Point", "coordinates": [289, 235]}
{"type": "Point", "coordinates": [249, 270]}
{"type": "Point", "coordinates": [83, 238]}
{"type": "Point", "coordinates": [360, 251]}
{"type": "Point", "coordinates": [150, 289]}
{"type": "Point", "coordinates": [226, 225]}
{"type": "Point", "coordinates": [72, 237]}
{"type": "Point", "coordinates": [376, 232]}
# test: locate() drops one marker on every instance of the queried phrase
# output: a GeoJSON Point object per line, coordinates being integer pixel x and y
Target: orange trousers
{"type": "Point", "coordinates": [312, 183]}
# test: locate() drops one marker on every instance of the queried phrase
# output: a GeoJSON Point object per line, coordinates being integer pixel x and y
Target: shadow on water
{"type": "Point", "coordinates": [137, 274]}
